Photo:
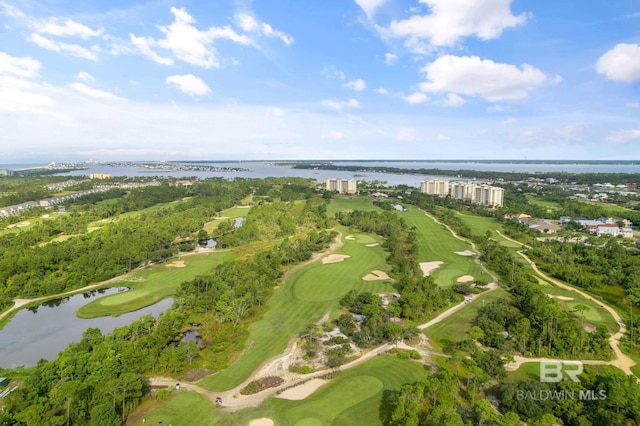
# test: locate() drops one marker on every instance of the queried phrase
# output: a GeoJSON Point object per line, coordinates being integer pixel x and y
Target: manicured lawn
{"type": "Point", "coordinates": [306, 296]}
{"type": "Point", "coordinates": [549, 205]}
{"type": "Point", "coordinates": [227, 214]}
{"type": "Point", "coordinates": [527, 371]}
{"type": "Point", "coordinates": [151, 285]}
{"type": "Point", "coordinates": [480, 225]}
{"type": "Point", "coordinates": [352, 398]}
{"type": "Point", "coordinates": [596, 315]}
{"type": "Point", "coordinates": [341, 203]}
{"type": "Point", "coordinates": [436, 243]}
{"type": "Point", "coordinates": [455, 327]}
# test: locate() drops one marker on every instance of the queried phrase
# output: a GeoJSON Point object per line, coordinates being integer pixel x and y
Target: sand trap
{"type": "Point", "coordinates": [248, 207]}
{"type": "Point", "coordinates": [302, 391]}
{"type": "Point", "coordinates": [176, 264]}
{"type": "Point", "coordinates": [19, 225]}
{"type": "Point", "coordinates": [264, 421]}
{"type": "Point", "coordinates": [349, 237]}
{"type": "Point", "coordinates": [561, 297]}
{"type": "Point", "coordinates": [465, 253]}
{"type": "Point", "coordinates": [371, 245]}
{"type": "Point", "coordinates": [465, 279]}
{"type": "Point", "coordinates": [335, 258]}
{"type": "Point", "coordinates": [45, 216]}
{"type": "Point", "coordinates": [427, 267]}
{"type": "Point", "coordinates": [376, 275]}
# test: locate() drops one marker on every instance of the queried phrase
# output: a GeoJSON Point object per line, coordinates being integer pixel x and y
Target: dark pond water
{"type": "Point", "coordinates": [45, 331]}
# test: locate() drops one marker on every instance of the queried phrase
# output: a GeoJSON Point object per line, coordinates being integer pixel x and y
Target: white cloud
{"type": "Point", "coordinates": [472, 76]}
{"type": "Point", "coordinates": [406, 134]}
{"type": "Point", "coordinates": [451, 20]}
{"type": "Point", "coordinates": [335, 135]}
{"type": "Point", "coordinates": [84, 76]}
{"type": "Point", "coordinates": [622, 63]}
{"type": "Point", "coordinates": [382, 91]}
{"type": "Point", "coordinates": [93, 93]}
{"type": "Point", "coordinates": [249, 24]}
{"type": "Point", "coordinates": [370, 6]}
{"type": "Point", "coordinates": [53, 26]}
{"type": "Point", "coordinates": [186, 42]}
{"type": "Point", "coordinates": [339, 105]}
{"type": "Point", "coordinates": [416, 98]}
{"type": "Point", "coordinates": [509, 120]}
{"type": "Point", "coordinates": [498, 108]}
{"type": "Point", "coordinates": [189, 84]}
{"type": "Point", "coordinates": [358, 85]}
{"type": "Point", "coordinates": [623, 136]}
{"type": "Point", "coordinates": [20, 67]}
{"type": "Point", "coordinates": [11, 11]}
{"type": "Point", "coordinates": [63, 48]}
{"type": "Point", "coordinates": [632, 104]}
{"type": "Point", "coordinates": [332, 72]}
{"type": "Point", "coordinates": [452, 100]}
{"type": "Point", "coordinates": [275, 111]}
{"type": "Point", "coordinates": [390, 58]}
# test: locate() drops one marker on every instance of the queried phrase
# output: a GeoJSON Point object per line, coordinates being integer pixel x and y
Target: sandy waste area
{"type": "Point", "coordinates": [176, 264]}
{"type": "Point", "coordinates": [427, 267]}
{"type": "Point", "coordinates": [335, 258]}
{"type": "Point", "coordinates": [302, 391]}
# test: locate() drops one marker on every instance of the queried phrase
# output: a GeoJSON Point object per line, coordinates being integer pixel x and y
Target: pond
{"type": "Point", "coordinates": [45, 331]}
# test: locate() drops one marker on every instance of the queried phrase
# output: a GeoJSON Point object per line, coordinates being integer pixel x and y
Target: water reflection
{"type": "Point", "coordinates": [44, 331]}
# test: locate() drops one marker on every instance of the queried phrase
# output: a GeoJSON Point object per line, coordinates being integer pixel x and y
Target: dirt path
{"type": "Point", "coordinates": [622, 361]}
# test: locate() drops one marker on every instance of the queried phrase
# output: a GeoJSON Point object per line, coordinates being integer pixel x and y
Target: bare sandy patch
{"type": "Point", "coordinates": [263, 421]}
{"type": "Point", "coordinates": [465, 253]}
{"type": "Point", "coordinates": [19, 225]}
{"type": "Point", "coordinates": [561, 297]}
{"type": "Point", "coordinates": [45, 216]}
{"type": "Point", "coordinates": [335, 258]}
{"type": "Point", "coordinates": [376, 275]}
{"type": "Point", "coordinates": [371, 245]}
{"type": "Point", "coordinates": [244, 207]}
{"type": "Point", "coordinates": [427, 267]}
{"type": "Point", "coordinates": [176, 264]}
{"type": "Point", "coordinates": [349, 237]}
{"type": "Point", "coordinates": [302, 391]}
{"type": "Point", "coordinates": [465, 279]}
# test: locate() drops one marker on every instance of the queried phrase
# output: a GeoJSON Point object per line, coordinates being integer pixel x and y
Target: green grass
{"type": "Point", "coordinates": [610, 208]}
{"type": "Point", "coordinates": [480, 225]}
{"type": "Point", "coordinates": [306, 296]}
{"type": "Point", "coordinates": [549, 205]}
{"type": "Point", "coordinates": [151, 285]}
{"type": "Point", "coordinates": [340, 203]}
{"type": "Point", "coordinates": [227, 214]}
{"type": "Point", "coordinates": [435, 243]}
{"type": "Point", "coordinates": [596, 314]}
{"type": "Point", "coordinates": [527, 371]}
{"type": "Point", "coordinates": [454, 328]}
{"type": "Point", "coordinates": [352, 398]}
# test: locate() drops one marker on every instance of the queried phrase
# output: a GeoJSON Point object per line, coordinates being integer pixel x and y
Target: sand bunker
{"type": "Point", "coordinates": [465, 253]}
{"type": "Point", "coordinates": [19, 225]}
{"type": "Point", "coordinates": [263, 421]}
{"type": "Point", "coordinates": [371, 245]}
{"type": "Point", "coordinates": [465, 279]}
{"type": "Point", "coordinates": [45, 216]}
{"type": "Point", "coordinates": [246, 207]}
{"type": "Point", "coordinates": [349, 237]}
{"type": "Point", "coordinates": [427, 267]}
{"type": "Point", "coordinates": [335, 258]}
{"type": "Point", "coordinates": [176, 264]}
{"type": "Point", "coordinates": [376, 275]}
{"type": "Point", "coordinates": [561, 297]}
{"type": "Point", "coordinates": [302, 391]}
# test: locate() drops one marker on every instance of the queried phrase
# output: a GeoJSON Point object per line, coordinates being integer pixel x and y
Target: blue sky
{"type": "Point", "coordinates": [332, 79]}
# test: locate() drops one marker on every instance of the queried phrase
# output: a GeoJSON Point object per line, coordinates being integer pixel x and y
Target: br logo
{"type": "Point", "coordinates": [554, 371]}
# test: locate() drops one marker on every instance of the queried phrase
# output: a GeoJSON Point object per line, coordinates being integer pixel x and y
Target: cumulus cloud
{"type": "Point", "coordinates": [186, 42]}
{"type": "Point", "coordinates": [84, 76]}
{"type": "Point", "coordinates": [452, 100]}
{"type": "Point", "coordinates": [17, 90]}
{"type": "Point", "coordinates": [189, 84]}
{"type": "Point", "coordinates": [331, 71]}
{"type": "Point", "coordinates": [68, 28]}
{"type": "Point", "coordinates": [390, 58]}
{"type": "Point", "coordinates": [370, 6]}
{"type": "Point", "coordinates": [358, 85]}
{"type": "Point", "coordinates": [340, 105]}
{"type": "Point", "coordinates": [416, 98]}
{"type": "Point", "coordinates": [20, 67]}
{"type": "Point", "coordinates": [623, 136]}
{"type": "Point", "coordinates": [249, 24]}
{"type": "Point", "coordinates": [498, 108]}
{"type": "Point", "coordinates": [632, 104]}
{"type": "Point", "coordinates": [472, 76]}
{"type": "Point", "coordinates": [382, 91]}
{"type": "Point", "coordinates": [622, 63]}
{"type": "Point", "coordinates": [93, 93]}
{"type": "Point", "coordinates": [449, 21]}
{"type": "Point", "coordinates": [63, 48]}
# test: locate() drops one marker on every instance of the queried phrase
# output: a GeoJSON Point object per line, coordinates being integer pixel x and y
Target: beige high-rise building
{"type": "Point", "coordinates": [483, 194]}
{"type": "Point", "coordinates": [342, 186]}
